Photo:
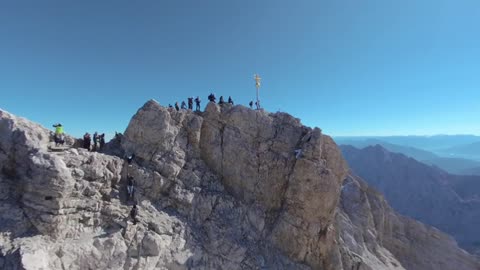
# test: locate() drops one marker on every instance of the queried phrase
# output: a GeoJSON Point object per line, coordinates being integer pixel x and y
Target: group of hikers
{"type": "Point", "coordinates": [189, 104]}
{"type": "Point", "coordinates": [98, 144]}
{"type": "Point", "coordinates": [98, 141]}
{"type": "Point", "coordinates": [130, 193]}
{"type": "Point", "coordinates": [256, 105]}
{"type": "Point", "coordinates": [190, 101]}
{"type": "Point", "coordinates": [221, 101]}
{"type": "Point", "coordinates": [131, 189]}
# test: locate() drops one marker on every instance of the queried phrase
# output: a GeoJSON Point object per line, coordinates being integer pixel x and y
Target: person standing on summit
{"type": "Point", "coordinates": [58, 129]}
{"type": "Point", "coordinates": [212, 98]}
{"type": "Point", "coordinates": [102, 141]}
{"type": "Point", "coordinates": [58, 138]}
{"type": "Point", "coordinates": [190, 103]}
{"type": "Point", "coordinates": [197, 104]}
{"type": "Point", "coordinates": [87, 140]}
{"type": "Point", "coordinates": [95, 141]}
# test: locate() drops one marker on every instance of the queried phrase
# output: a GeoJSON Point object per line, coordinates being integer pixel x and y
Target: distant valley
{"type": "Point", "coordinates": [455, 154]}
{"type": "Point", "coordinates": [429, 194]}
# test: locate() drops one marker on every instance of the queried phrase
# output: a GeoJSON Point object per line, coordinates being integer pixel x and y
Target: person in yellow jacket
{"type": "Point", "coordinates": [58, 129]}
{"type": "Point", "coordinates": [58, 134]}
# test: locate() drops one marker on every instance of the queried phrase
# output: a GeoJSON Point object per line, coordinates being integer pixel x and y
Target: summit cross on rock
{"type": "Point", "coordinates": [257, 85]}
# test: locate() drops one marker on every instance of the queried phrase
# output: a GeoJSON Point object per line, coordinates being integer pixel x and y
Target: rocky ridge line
{"type": "Point", "coordinates": [216, 190]}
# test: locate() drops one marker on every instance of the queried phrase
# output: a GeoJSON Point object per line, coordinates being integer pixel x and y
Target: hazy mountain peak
{"type": "Point", "coordinates": [423, 192]}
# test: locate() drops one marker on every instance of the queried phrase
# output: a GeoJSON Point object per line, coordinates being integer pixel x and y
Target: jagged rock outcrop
{"type": "Point", "coordinates": [366, 220]}
{"type": "Point", "coordinates": [251, 153]}
{"type": "Point", "coordinates": [220, 189]}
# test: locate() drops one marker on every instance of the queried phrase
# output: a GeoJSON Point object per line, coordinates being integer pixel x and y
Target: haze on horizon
{"type": "Point", "coordinates": [352, 68]}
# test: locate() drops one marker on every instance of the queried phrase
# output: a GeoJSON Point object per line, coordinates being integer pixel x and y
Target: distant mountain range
{"type": "Point", "coordinates": [429, 194]}
{"type": "Point", "coordinates": [448, 161]}
{"type": "Point", "coordinates": [472, 171]}
{"type": "Point", "coordinates": [454, 165]}
{"type": "Point", "coordinates": [470, 150]}
{"type": "Point", "coordinates": [413, 152]}
{"type": "Point", "coordinates": [428, 143]}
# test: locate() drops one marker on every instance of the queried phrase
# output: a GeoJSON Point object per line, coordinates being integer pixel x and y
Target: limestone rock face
{"type": "Point", "coordinates": [422, 192]}
{"type": "Point", "coordinates": [222, 189]}
{"type": "Point", "coordinates": [366, 220]}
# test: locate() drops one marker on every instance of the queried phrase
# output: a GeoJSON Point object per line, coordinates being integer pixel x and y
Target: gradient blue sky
{"type": "Point", "coordinates": [350, 67]}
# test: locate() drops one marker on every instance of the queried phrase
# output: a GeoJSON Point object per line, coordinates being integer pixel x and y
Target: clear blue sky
{"type": "Point", "coordinates": [350, 67]}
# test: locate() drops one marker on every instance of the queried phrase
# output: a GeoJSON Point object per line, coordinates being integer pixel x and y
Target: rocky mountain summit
{"type": "Point", "coordinates": [221, 189]}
